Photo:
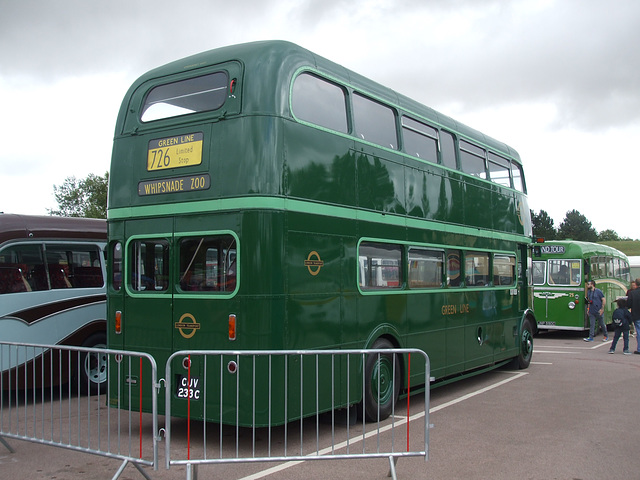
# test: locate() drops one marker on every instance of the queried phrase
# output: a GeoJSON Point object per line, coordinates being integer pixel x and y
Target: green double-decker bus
{"type": "Point", "coordinates": [264, 198]}
{"type": "Point", "coordinates": [561, 271]}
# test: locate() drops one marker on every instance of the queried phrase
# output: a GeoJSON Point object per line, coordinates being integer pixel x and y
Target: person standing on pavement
{"type": "Point", "coordinates": [595, 300]}
{"type": "Point", "coordinates": [633, 302]}
{"type": "Point", "coordinates": [633, 286]}
{"type": "Point", "coordinates": [621, 321]}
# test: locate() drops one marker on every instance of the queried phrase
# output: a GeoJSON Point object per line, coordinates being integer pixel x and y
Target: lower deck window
{"type": "Point", "coordinates": [380, 265]}
{"type": "Point", "coordinates": [149, 266]}
{"type": "Point", "coordinates": [504, 270]}
{"type": "Point", "coordinates": [425, 268]}
{"type": "Point", "coordinates": [208, 264]}
{"type": "Point", "coordinates": [476, 269]}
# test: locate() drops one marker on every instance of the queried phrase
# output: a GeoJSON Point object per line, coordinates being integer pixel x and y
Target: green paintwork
{"type": "Point", "coordinates": [286, 189]}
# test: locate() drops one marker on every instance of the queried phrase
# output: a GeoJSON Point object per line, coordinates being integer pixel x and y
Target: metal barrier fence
{"type": "Point", "coordinates": [46, 399]}
{"type": "Point", "coordinates": [280, 406]}
{"type": "Point", "coordinates": [264, 406]}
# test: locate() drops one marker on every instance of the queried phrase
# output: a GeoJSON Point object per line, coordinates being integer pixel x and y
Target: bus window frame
{"type": "Point", "coordinates": [89, 246]}
{"type": "Point", "coordinates": [569, 262]}
{"type": "Point", "coordinates": [512, 263]}
{"type": "Point", "coordinates": [431, 251]}
{"type": "Point", "coordinates": [231, 106]}
{"type": "Point", "coordinates": [544, 272]}
{"type": "Point", "coordinates": [126, 267]}
{"type": "Point", "coordinates": [209, 295]}
{"type": "Point", "coordinates": [345, 98]}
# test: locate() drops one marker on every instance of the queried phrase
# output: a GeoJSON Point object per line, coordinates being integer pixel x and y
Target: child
{"type": "Point", "coordinates": [621, 320]}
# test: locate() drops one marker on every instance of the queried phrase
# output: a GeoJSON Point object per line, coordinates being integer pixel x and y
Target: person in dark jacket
{"type": "Point", "coordinates": [595, 301]}
{"type": "Point", "coordinates": [633, 302]}
{"type": "Point", "coordinates": [621, 321]}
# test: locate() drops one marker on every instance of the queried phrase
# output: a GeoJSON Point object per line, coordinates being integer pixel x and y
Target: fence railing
{"type": "Point", "coordinates": [45, 398]}
{"type": "Point", "coordinates": [231, 406]}
{"type": "Point", "coordinates": [289, 405]}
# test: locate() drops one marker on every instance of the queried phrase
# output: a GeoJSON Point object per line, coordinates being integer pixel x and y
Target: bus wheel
{"type": "Point", "coordinates": [382, 383]}
{"type": "Point", "coordinates": [93, 366]}
{"type": "Point", "coordinates": [526, 346]}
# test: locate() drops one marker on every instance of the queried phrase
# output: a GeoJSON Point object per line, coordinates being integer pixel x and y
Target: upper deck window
{"type": "Point", "coordinates": [374, 122]}
{"type": "Point", "coordinates": [472, 160]}
{"type": "Point", "coordinates": [420, 140]}
{"type": "Point", "coordinates": [322, 103]}
{"type": "Point", "coordinates": [199, 94]}
{"type": "Point", "coordinates": [518, 177]}
{"type": "Point", "coordinates": [448, 150]}
{"type": "Point", "coordinates": [499, 170]}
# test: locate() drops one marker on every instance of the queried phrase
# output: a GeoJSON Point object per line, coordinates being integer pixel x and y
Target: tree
{"type": "Point", "coordinates": [608, 236]}
{"type": "Point", "coordinates": [543, 225]}
{"type": "Point", "coordinates": [576, 227]}
{"type": "Point", "coordinates": [82, 198]}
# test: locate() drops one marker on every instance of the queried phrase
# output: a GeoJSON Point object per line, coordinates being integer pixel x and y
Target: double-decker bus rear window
{"type": "Point", "coordinates": [149, 266]}
{"type": "Point", "coordinates": [208, 264]}
{"type": "Point", "coordinates": [199, 94]}
{"type": "Point", "coordinates": [116, 273]}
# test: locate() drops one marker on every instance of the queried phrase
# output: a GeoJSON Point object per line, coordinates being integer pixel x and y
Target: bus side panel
{"type": "Point", "coordinates": [315, 171]}
{"type": "Point", "coordinates": [426, 330]}
{"type": "Point", "coordinates": [380, 181]}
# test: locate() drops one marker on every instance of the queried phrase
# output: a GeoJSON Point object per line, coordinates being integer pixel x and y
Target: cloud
{"type": "Point", "coordinates": [579, 54]}
{"type": "Point", "coordinates": [49, 40]}
{"type": "Point", "coordinates": [559, 80]}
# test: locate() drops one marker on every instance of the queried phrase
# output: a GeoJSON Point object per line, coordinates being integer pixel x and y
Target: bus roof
{"type": "Point", "coordinates": [574, 247]}
{"type": "Point", "coordinates": [265, 61]}
{"type": "Point", "coordinates": [13, 226]}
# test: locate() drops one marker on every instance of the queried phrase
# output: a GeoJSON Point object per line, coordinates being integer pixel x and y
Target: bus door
{"type": "Point", "coordinates": [204, 308]}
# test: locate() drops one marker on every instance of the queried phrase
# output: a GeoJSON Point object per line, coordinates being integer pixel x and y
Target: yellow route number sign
{"type": "Point", "coordinates": [175, 152]}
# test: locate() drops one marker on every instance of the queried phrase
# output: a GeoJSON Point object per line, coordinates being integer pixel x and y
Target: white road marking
{"type": "Point", "coordinates": [402, 421]}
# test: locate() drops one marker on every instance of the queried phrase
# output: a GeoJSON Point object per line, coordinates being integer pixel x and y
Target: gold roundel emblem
{"type": "Point", "coordinates": [314, 263]}
{"type": "Point", "coordinates": [187, 322]}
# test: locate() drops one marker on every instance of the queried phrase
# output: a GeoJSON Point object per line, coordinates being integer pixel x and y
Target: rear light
{"type": "Point", "coordinates": [118, 322]}
{"type": "Point", "coordinates": [232, 326]}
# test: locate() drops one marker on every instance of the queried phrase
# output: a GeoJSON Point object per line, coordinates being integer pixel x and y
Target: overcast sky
{"type": "Point", "coordinates": [558, 80]}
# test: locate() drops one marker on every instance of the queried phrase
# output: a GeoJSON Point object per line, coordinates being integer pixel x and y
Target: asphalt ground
{"type": "Point", "coordinates": [571, 415]}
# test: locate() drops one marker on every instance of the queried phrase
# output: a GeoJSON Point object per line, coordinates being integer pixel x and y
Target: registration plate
{"type": "Point", "coordinates": [188, 387]}
{"type": "Point", "coordinates": [175, 152]}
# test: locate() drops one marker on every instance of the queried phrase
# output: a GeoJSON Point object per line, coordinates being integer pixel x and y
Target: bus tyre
{"type": "Point", "coordinates": [526, 345]}
{"type": "Point", "coordinates": [93, 365]}
{"type": "Point", "coordinates": [382, 383]}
